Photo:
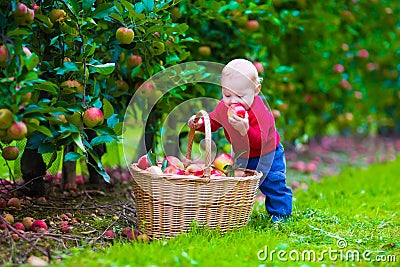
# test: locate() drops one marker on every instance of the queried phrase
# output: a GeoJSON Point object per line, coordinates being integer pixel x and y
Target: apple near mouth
{"type": "Point", "coordinates": [237, 109]}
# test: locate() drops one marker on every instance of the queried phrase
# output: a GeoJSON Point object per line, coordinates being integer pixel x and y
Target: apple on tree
{"type": "Point", "coordinates": [93, 117]}
{"type": "Point", "coordinates": [10, 153]}
{"type": "Point", "coordinates": [6, 118]}
{"type": "Point", "coordinates": [124, 35]}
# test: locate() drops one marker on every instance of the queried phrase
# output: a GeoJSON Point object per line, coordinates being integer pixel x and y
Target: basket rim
{"type": "Point", "coordinates": [213, 178]}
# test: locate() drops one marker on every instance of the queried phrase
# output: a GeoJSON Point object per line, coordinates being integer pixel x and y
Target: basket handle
{"type": "Point", "coordinates": [207, 125]}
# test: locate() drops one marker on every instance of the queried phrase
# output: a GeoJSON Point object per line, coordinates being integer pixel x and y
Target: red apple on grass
{"type": "Point", "coordinates": [6, 117]}
{"type": "Point", "coordinates": [19, 226]}
{"type": "Point", "coordinates": [27, 222]}
{"type": "Point", "coordinates": [109, 234]}
{"type": "Point", "coordinates": [124, 35]}
{"type": "Point", "coordinates": [10, 153]}
{"type": "Point", "coordinates": [14, 202]}
{"type": "Point", "coordinates": [237, 109]}
{"type": "Point", "coordinates": [223, 160]}
{"type": "Point", "coordinates": [93, 117]}
{"type": "Point", "coordinates": [39, 226]}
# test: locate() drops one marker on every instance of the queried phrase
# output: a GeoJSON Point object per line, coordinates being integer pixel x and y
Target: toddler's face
{"type": "Point", "coordinates": [239, 90]}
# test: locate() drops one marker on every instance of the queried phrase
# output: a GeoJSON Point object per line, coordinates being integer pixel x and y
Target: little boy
{"type": "Point", "coordinates": [255, 134]}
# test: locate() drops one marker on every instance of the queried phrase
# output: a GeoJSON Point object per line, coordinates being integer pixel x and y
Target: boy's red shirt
{"type": "Point", "coordinates": [262, 136]}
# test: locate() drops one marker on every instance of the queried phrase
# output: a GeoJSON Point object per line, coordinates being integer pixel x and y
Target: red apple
{"type": "Point", "coordinates": [238, 109]}
{"type": "Point", "coordinates": [338, 68]}
{"type": "Point", "coordinates": [6, 118]}
{"type": "Point", "coordinates": [310, 167]}
{"type": "Point", "coordinates": [17, 130]}
{"type": "Point", "coordinates": [57, 15]}
{"type": "Point", "coordinates": [345, 85]}
{"type": "Point", "coordinates": [27, 52]}
{"type": "Point", "coordinates": [172, 160]}
{"type": "Point", "coordinates": [19, 226]}
{"type": "Point", "coordinates": [134, 61]}
{"type": "Point", "coordinates": [39, 226]}
{"type": "Point", "coordinates": [93, 117]}
{"type": "Point", "coordinates": [194, 169]}
{"type": "Point", "coordinates": [122, 85]}
{"type": "Point", "coordinates": [21, 10]}
{"type": "Point", "coordinates": [64, 227]}
{"type": "Point", "coordinates": [204, 51]}
{"type": "Point", "coordinates": [4, 54]}
{"type": "Point", "coordinates": [10, 153]}
{"type": "Point", "coordinates": [14, 202]}
{"type": "Point", "coordinates": [27, 222]}
{"type": "Point", "coordinates": [154, 170]}
{"type": "Point", "coordinates": [259, 67]}
{"type": "Point", "coordinates": [143, 162]}
{"type": "Point", "coordinates": [363, 53]}
{"type": "Point", "coordinates": [217, 172]}
{"type": "Point", "coordinates": [252, 25]}
{"type": "Point", "coordinates": [109, 234]}
{"type": "Point", "coordinates": [172, 169]}
{"type": "Point", "coordinates": [124, 35]}
{"type": "Point", "coordinates": [223, 160]}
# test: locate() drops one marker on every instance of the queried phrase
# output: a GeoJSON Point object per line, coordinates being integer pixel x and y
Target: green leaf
{"type": "Point", "coordinates": [164, 164]}
{"type": "Point", "coordinates": [105, 69]}
{"type": "Point", "coordinates": [118, 128]}
{"type": "Point", "coordinates": [32, 61]}
{"type": "Point", "coordinates": [129, 6]}
{"type": "Point", "coordinates": [148, 4]}
{"type": "Point", "coordinates": [18, 31]}
{"type": "Point", "coordinates": [67, 67]}
{"type": "Point", "coordinates": [40, 128]}
{"type": "Point", "coordinates": [102, 139]}
{"type": "Point", "coordinates": [87, 4]}
{"type": "Point", "coordinates": [78, 141]}
{"type": "Point", "coordinates": [72, 156]}
{"type": "Point", "coordinates": [117, 17]}
{"type": "Point", "coordinates": [73, 5]}
{"type": "Point", "coordinates": [47, 86]}
{"type": "Point", "coordinates": [108, 109]}
{"type": "Point", "coordinates": [103, 11]}
{"type": "Point", "coordinates": [139, 7]}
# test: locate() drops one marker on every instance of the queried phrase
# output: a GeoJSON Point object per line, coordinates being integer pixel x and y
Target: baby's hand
{"type": "Point", "coordinates": [239, 124]}
{"type": "Point", "coordinates": [196, 125]}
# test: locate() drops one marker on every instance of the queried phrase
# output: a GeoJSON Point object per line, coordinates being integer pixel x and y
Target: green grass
{"type": "Point", "coordinates": [360, 207]}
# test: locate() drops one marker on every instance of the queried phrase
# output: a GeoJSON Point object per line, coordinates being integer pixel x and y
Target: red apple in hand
{"type": "Point", "coordinates": [223, 160]}
{"type": "Point", "coordinates": [93, 117]}
{"type": "Point", "coordinates": [237, 109]}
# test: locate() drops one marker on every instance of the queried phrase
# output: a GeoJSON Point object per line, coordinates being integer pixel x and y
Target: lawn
{"type": "Point", "coordinates": [349, 220]}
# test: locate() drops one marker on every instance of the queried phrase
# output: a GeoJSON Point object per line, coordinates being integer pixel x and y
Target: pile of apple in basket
{"type": "Point", "coordinates": [223, 165]}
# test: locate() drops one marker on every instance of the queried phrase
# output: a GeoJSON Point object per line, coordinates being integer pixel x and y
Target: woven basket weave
{"type": "Point", "coordinates": [168, 204]}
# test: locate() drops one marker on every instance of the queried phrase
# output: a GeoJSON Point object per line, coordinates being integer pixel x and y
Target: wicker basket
{"type": "Point", "coordinates": [168, 204]}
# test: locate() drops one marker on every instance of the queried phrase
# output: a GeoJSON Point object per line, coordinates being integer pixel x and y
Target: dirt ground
{"type": "Point", "coordinates": [84, 216]}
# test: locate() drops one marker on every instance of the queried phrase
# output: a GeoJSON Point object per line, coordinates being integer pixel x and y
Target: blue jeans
{"type": "Point", "coordinates": [278, 196]}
